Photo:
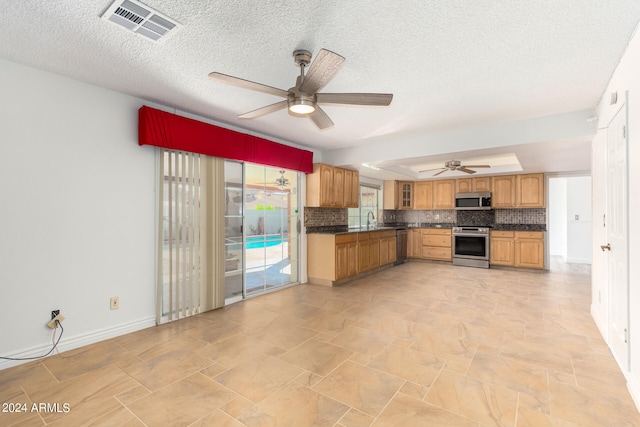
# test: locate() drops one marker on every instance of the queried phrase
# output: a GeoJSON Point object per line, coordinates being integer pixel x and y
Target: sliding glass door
{"type": "Point", "coordinates": [233, 236]}
{"type": "Point", "coordinates": [262, 237]}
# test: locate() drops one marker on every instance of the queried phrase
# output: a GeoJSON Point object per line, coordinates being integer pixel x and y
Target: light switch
{"type": "Point", "coordinates": [577, 217]}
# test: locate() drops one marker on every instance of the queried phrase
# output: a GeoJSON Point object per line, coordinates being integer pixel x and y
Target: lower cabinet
{"type": "Point", "coordinates": [414, 243]}
{"type": "Point", "coordinates": [346, 257]}
{"type": "Point", "coordinates": [387, 247]}
{"type": "Point", "coordinates": [436, 244]}
{"type": "Point", "coordinates": [333, 257]}
{"type": "Point", "coordinates": [517, 248]}
{"type": "Point", "coordinates": [430, 243]}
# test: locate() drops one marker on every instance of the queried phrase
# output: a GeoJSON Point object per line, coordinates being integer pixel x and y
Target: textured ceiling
{"type": "Point", "coordinates": [449, 64]}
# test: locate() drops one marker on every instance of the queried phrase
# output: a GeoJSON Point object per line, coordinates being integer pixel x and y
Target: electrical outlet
{"type": "Point", "coordinates": [115, 303]}
{"type": "Point", "coordinates": [53, 323]}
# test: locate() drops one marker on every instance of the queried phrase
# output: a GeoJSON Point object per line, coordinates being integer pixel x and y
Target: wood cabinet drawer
{"type": "Point", "coordinates": [529, 234]}
{"type": "Point", "coordinates": [388, 233]}
{"type": "Point", "coordinates": [346, 238]}
{"type": "Point", "coordinates": [436, 231]}
{"type": "Point", "coordinates": [441, 241]}
{"type": "Point", "coordinates": [496, 233]}
{"type": "Point", "coordinates": [430, 252]}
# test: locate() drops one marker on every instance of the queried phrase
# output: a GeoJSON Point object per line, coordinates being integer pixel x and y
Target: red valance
{"type": "Point", "coordinates": [166, 130]}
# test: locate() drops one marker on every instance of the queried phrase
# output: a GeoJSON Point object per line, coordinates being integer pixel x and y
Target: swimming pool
{"type": "Point", "coordinates": [264, 241]}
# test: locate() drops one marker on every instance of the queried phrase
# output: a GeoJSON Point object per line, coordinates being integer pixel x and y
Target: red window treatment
{"type": "Point", "coordinates": [166, 130]}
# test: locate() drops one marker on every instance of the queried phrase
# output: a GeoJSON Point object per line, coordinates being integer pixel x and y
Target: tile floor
{"type": "Point", "coordinates": [415, 345]}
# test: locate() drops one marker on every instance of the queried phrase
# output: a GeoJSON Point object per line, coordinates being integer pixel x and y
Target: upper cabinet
{"type": "Point", "coordinates": [518, 191]}
{"type": "Point", "coordinates": [444, 194]}
{"type": "Point", "coordinates": [530, 191]}
{"type": "Point", "coordinates": [504, 191]}
{"type": "Point", "coordinates": [398, 195]}
{"type": "Point", "coordinates": [423, 195]}
{"type": "Point", "coordinates": [333, 187]}
{"type": "Point", "coordinates": [351, 188]}
{"type": "Point", "coordinates": [472, 185]}
{"type": "Point", "coordinates": [406, 195]}
{"type": "Point", "coordinates": [507, 191]}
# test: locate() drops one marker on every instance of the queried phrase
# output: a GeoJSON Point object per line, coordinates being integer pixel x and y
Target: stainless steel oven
{"type": "Point", "coordinates": [471, 246]}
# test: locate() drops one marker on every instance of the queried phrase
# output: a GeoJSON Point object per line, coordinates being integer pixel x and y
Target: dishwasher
{"type": "Point", "coordinates": [401, 245]}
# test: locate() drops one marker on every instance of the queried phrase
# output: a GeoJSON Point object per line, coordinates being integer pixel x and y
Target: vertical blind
{"type": "Point", "coordinates": [189, 226]}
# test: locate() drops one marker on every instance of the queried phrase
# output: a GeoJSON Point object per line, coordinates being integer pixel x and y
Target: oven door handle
{"type": "Point", "coordinates": [469, 235]}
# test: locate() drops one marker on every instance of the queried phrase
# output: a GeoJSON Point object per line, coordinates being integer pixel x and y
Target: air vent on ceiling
{"type": "Point", "coordinates": [140, 19]}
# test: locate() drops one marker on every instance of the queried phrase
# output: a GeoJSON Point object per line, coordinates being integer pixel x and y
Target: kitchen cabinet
{"type": "Point", "coordinates": [351, 188]}
{"type": "Point", "coordinates": [397, 195]}
{"type": "Point", "coordinates": [331, 257]}
{"type": "Point", "coordinates": [329, 186]}
{"type": "Point", "coordinates": [464, 185]}
{"type": "Point", "coordinates": [529, 249]}
{"type": "Point", "coordinates": [481, 183]}
{"type": "Point", "coordinates": [414, 243]}
{"type": "Point", "coordinates": [374, 250]}
{"type": "Point", "coordinates": [436, 244]}
{"type": "Point", "coordinates": [406, 194]}
{"type": "Point", "coordinates": [504, 191]}
{"type": "Point", "coordinates": [387, 247]}
{"type": "Point", "coordinates": [502, 248]}
{"type": "Point", "coordinates": [517, 248]}
{"type": "Point", "coordinates": [518, 191]}
{"type": "Point", "coordinates": [390, 191]}
{"type": "Point", "coordinates": [423, 195]}
{"type": "Point", "coordinates": [364, 252]}
{"type": "Point", "coordinates": [444, 194]}
{"type": "Point", "coordinates": [346, 256]}
{"type": "Point", "coordinates": [530, 190]}
{"type": "Point", "coordinates": [473, 185]}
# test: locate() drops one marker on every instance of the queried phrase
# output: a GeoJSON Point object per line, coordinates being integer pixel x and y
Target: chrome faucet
{"type": "Point", "coordinates": [372, 218]}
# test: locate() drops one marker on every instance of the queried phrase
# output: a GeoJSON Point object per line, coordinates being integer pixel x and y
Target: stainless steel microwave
{"type": "Point", "coordinates": [473, 201]}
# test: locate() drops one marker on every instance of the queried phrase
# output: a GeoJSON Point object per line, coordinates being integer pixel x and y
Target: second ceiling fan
{"type": "Point", "coordinates": [456, 165]}
{"type": "Point", "coordinates": [302, 99]}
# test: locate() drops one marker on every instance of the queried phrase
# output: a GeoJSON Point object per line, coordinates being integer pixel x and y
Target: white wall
{"type": "Point", "coordinates": [579, 229]}
{"type": "Point", "coordinates": [77, 212]}
{"type": "Point", "coordinates": [625, 80]}
{"type": "Point", "coordinates": [558, 217]}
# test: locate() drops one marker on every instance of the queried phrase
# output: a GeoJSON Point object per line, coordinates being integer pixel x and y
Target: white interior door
{"type": "Point", "coordinates": [617, 238]}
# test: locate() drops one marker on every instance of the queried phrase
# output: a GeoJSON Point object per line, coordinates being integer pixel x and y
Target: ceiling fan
{"type": "Point", "coordinates": [456, 165]}
{"type": "Point", "coordinates": [302, 99]}
{"type": "Point", "coordinates": [280, 181]}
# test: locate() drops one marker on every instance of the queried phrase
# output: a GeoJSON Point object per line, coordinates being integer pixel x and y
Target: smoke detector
{"type": "Point", "coordinates": [140, 19]}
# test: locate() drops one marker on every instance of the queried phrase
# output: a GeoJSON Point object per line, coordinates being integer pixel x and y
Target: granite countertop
{"type": "Point", "coordinates": [343, 229]}
{"type": "Point", "coordinates": [520, 227]}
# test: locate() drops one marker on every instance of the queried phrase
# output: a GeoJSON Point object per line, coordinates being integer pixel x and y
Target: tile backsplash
{"type": "Point", "coordinates": [443, 216]}
{"type": "Point", "coordinates": [321, 217]}
{"type": "Point", "coordinates": [521, 216]}
{"type": "Point", "coordinates": [329, 217]}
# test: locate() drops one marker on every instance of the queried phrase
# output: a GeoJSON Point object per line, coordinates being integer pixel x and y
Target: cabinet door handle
{"type": "Point", "coordinates": [607, 247]}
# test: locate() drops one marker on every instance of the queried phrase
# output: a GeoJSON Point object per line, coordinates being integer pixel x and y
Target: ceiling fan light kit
{"type": "Point", "coordinates": [302, 100]}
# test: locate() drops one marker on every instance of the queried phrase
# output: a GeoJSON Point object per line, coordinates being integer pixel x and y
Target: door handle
{"type": "Point", "coordinates": [607, 247]}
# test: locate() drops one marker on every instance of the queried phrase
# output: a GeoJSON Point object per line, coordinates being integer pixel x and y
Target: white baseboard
{"type": "Point", "coordinates": [634, 389]}
{"type": "Point", "coordinates": [77, 341]}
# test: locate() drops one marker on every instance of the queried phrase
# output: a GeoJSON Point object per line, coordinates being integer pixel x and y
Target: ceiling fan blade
{"type": "Point", "coordinates": [321, 71]}
{"type": "Point", "coordinates": [429, 170]}
{"type": "Point", "coordinates": [381, 99]}
{"type": "Point", "coordinates": [264, 110]}
{"type": "Point", "coordinates": [320, 118]}
{"type": "Point", "coordinates": [442, 171]}
{"type": "Point", "coordinates": [476, 166]}
{"type": "Point", "coordinates": [465, 170]}
{"type": "Point", "coordinates": [247, 84]}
